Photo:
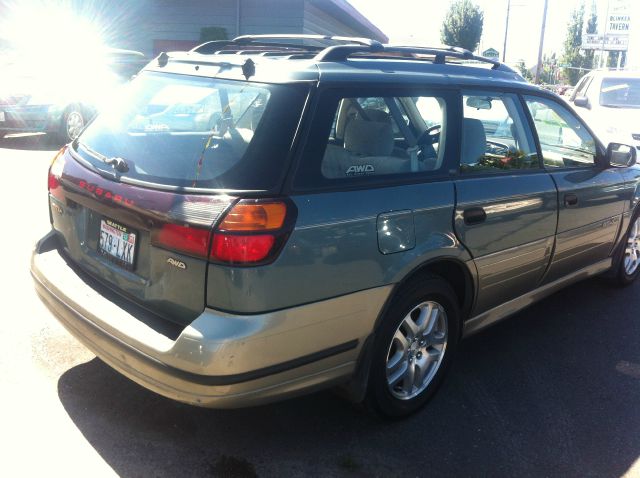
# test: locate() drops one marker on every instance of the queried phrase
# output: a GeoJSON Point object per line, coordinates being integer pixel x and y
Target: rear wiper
{"type": "Point", "coordinates": [119, 164]}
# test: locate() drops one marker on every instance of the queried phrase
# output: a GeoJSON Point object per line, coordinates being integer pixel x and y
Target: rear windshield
{"type": "Point", "coordinates": [186, 131]}
{"type": "Point", "coordinates": [620, 92]}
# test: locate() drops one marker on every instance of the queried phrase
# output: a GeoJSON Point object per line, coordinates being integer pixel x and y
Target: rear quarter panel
{"type": "Point", "coordinates": [334, 248]}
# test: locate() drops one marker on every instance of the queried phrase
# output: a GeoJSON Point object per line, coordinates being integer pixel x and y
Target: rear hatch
{"type": "Point", "coordinates": [135, 198]}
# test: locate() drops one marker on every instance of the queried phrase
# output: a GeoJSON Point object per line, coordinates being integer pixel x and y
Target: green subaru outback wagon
{"type": "Point", "coordinates": [264, 217]}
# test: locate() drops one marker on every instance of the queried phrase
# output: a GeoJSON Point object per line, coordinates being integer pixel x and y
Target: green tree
{"type": "Point", "coordinates": [212, 33]}
{"type": "Point", "coordinates": [524, 71]}
{"type": "Point", "coordinates": [572, 54]}
{"type": "Point", "coordinates": [462, 26]}
{"type": "Point", "coordinates": [612, 59]}
{"type": "Point", "coordinates": [592, 27]}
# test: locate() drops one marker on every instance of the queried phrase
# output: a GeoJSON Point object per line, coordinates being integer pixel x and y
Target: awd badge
{"type": "Point", "coordinates": [176, 263]}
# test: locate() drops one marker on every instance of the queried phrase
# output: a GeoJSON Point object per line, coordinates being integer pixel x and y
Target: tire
{"type": "Point", "coordinates": [428, 347]}
{"type": "Point", "coordinates": [73, 121]}
{"type": "Point", "coordinates": [628, 267]}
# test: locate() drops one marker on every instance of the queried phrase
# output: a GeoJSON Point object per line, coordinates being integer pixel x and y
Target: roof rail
{"type": "Point", "coordinates": [259, 43]}
{"type": "Point", "coordinates": [338, 53]}
{"type": "Point", "coordinates": [295, 36]}
{"type": "Point", "coordinates": [277, 45]}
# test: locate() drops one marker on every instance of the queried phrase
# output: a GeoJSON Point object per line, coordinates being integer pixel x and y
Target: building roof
{"type": "Point", "coordinates": [350, 16]}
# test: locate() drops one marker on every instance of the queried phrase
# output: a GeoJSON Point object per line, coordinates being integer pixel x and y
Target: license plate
{"type": "Point", "coordinates": [1, 115]}
{"type": "Point", "coordinates": [117, 243]}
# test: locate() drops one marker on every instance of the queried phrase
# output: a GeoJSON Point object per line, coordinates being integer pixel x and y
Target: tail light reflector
{"type": "Point", "coordinates": [186, 239]}
{"type": "Point", "coordinates": [241, 248]}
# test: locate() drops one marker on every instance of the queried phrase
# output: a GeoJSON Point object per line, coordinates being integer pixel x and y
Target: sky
{"type": "Point", "coordinates": [419, 22]}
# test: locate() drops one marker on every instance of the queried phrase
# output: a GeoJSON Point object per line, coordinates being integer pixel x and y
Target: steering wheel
{"type": "Point", "coordinates": [493, 147]}
{"type": "Point", "coordinates": [431, 134]}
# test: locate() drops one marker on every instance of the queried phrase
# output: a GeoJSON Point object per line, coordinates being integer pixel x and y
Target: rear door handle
{"type": "Point", "coordinates": [570, 199]}
{"type": "Point", "coordinates": [474, 215]}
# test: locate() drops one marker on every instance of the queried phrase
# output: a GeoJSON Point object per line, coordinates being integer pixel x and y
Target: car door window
{"type": "Point", "coordinates": [373, 136]}
{"type": "Point", "coordinates": [581, 89]}
{"type": "Point", "coordinates": [494, 136]}
{"type": "Point", "coordinates": [564, 141]}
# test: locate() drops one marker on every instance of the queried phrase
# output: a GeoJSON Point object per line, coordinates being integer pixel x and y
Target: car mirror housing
{"type": "Point", "coordinates": [621, 155]}
{"type": "Point", "coordinates": [582, 102]}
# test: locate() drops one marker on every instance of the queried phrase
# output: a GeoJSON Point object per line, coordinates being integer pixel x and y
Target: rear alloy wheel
{"type": "Point", "coordinates": [413, 347]}
{"type": "Point", "coordinates": [416, 350]}
{"type": "Point", "coordinates": [629, 267]}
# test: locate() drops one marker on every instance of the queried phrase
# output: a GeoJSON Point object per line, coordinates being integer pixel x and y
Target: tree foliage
{"type": "Point", "coordinates": [612, 59]}
{"type": "Point", "coordinates": [462, 26]}
{"type": "Point", "coordinates": [212, 33]}
{"type": "Point", "coordinates": [573, 55]}
{"type": "Point", "coordinates": [524, 71]}
{"type": "Point", "coordinates": [592, 27]}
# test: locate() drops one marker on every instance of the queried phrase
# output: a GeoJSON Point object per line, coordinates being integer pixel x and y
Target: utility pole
{"type": "Point", "coordinates": [506, 33]}
{"type": "Point", "coordinates": [544, 21]}
{"type": "Point", "coordinates": [603, 61]}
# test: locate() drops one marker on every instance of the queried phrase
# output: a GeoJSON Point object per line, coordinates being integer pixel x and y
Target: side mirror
{"type": "Point", "coordinates": [582, 102]}
{"type": "Point", "coordinates": [621, 155]}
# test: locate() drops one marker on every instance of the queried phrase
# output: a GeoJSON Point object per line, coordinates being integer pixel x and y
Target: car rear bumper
{"type": "Point", "coordinates": [220, 360]}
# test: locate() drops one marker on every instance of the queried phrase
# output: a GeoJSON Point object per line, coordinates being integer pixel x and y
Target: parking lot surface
{"type": "Point", "coordinates": [554, 391]}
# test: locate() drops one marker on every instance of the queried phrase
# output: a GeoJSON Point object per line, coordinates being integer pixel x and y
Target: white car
{"type": "Point", "coordinates": [609, 101]}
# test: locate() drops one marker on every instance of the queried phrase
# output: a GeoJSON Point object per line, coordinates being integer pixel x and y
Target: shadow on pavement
{"type": "Point", "coordinates": [29, 142]}
{"type": "Point", "coordinates": [552, 392]}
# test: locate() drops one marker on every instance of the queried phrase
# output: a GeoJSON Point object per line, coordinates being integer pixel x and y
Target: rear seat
{"type": "Point", "coordinates": [368, 150]}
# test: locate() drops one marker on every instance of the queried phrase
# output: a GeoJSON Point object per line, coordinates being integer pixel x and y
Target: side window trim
{"type": "Point", "coordinates": [534, 131]}
{"type": "Point", "coordinates": [587, 85]}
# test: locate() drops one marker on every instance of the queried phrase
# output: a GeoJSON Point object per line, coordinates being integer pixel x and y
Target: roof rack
{"type": "Point", "coordinates": [338, 53]}
{"type": "Point", "coordinates": [276, 45]}
{"type": "Point", "coordinates": [251, 44]}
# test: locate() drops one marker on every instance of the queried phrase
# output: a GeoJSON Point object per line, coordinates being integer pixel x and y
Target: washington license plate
{"type": "Point", "coordinates": [117, 243]}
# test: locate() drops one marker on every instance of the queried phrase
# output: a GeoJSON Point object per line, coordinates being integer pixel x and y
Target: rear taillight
{"type": "Point", "coordinates": [252, 232]}
{"type": "Point", "coordinates": [55, 175]}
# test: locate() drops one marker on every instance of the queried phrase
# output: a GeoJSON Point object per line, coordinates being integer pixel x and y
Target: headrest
{"type": "Point", "coordinates": [369, 138]}
{"type": "Point", "coordinates": [474, 141]}
{"type": "Point", "coordinates": [374, 114]}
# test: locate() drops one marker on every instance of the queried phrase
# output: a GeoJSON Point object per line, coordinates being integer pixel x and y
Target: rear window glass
{"type": "Point", "coordinates": [187, 131]}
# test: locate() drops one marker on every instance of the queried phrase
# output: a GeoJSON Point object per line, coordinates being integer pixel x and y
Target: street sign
{"type": "Point", "coordinates": [594, 41]}
{"type": "Point", "coordinates": [616, 29]}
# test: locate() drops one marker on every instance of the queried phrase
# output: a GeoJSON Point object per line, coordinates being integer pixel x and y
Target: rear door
{"type": "Point", "coordinates": [374, 199]}
{"type": "Point", "coordinates": [506, 207]}
{"type": "Point", "coordinates": [591, 198]}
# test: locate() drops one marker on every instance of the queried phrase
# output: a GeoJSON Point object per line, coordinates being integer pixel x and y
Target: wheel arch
{"type": "Point", "coordinates": [451, 269]}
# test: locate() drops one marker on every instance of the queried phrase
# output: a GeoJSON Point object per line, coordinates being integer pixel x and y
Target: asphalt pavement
{"type": "Point", "coordinates": [553, 391]}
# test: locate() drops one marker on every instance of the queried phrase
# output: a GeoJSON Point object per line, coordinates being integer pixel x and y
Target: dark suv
{"type": "Point", "coordinates": [258, 218]}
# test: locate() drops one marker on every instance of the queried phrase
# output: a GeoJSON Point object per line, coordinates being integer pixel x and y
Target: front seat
{"type": "Point", "coordinates": [474, 141]}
